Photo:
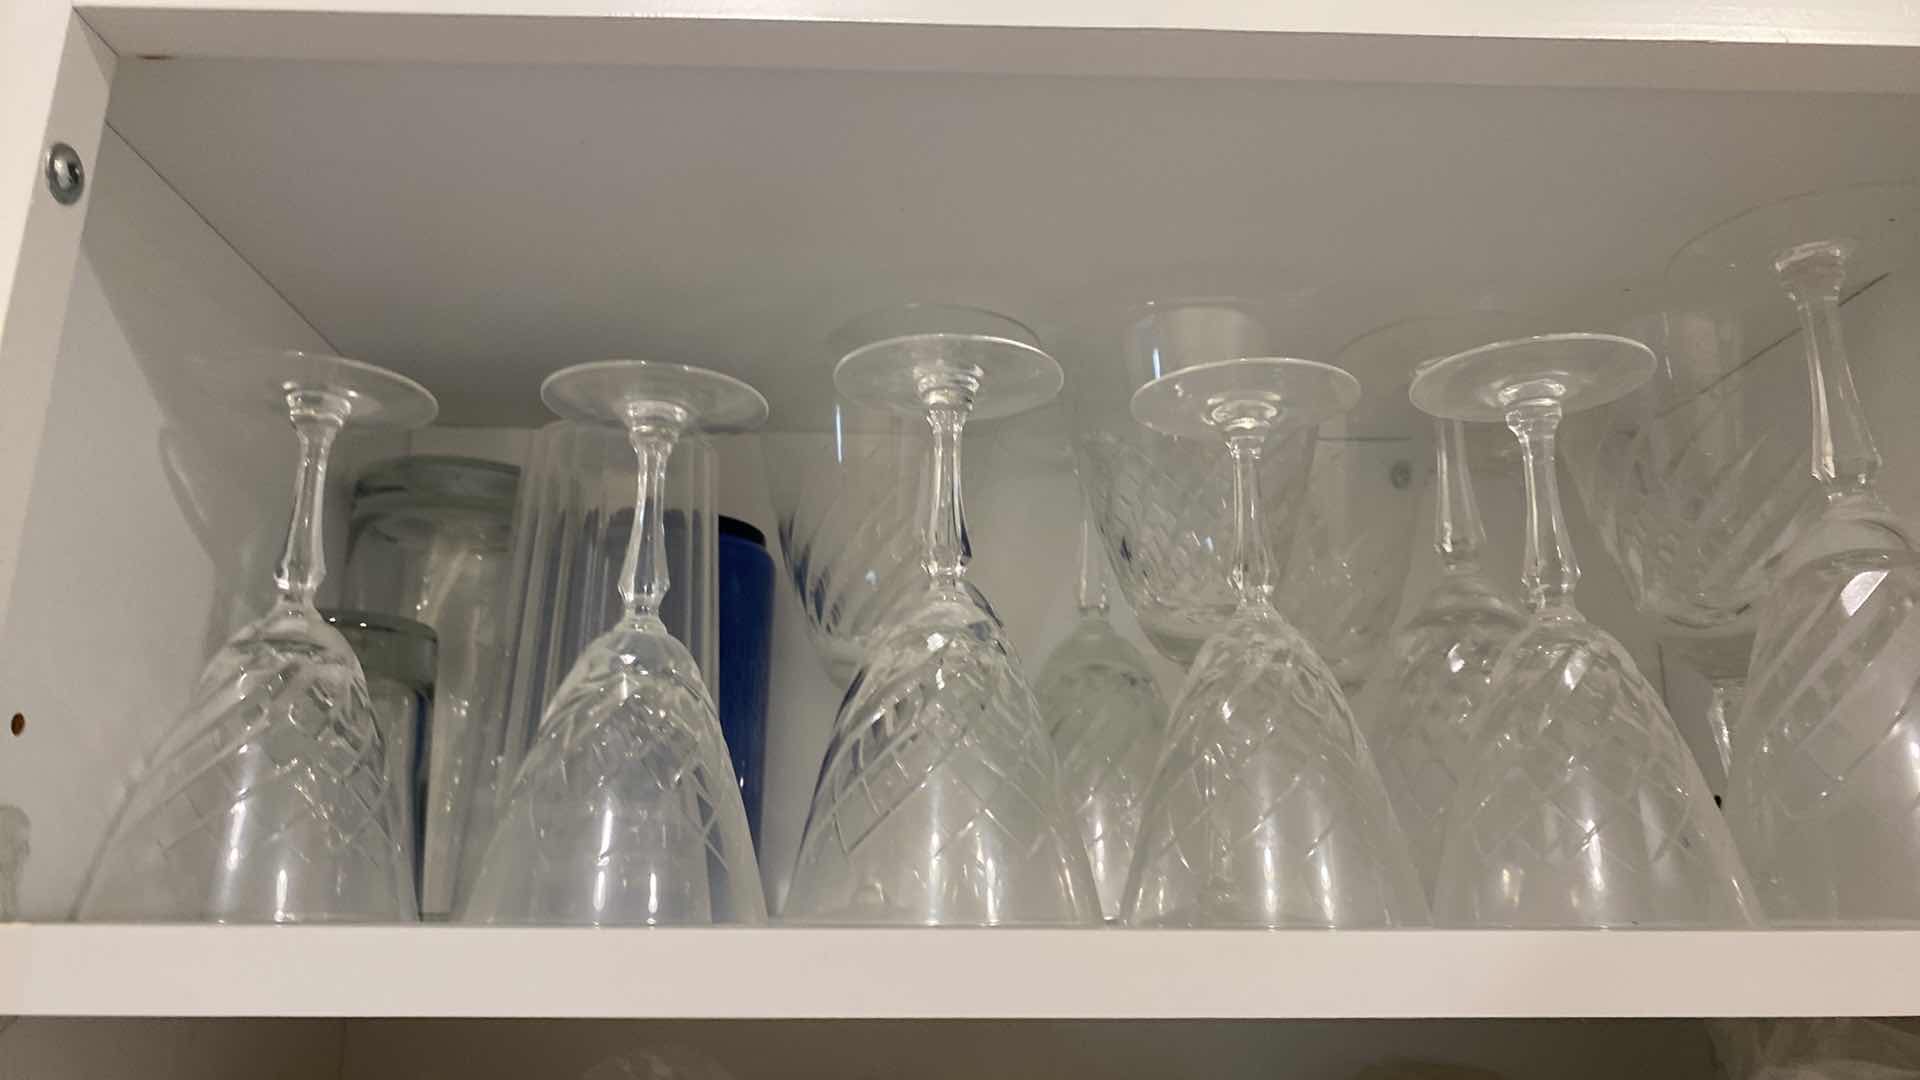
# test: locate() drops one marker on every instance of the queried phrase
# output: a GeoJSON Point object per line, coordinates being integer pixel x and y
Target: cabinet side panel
{"type": "Point", "coordinates": [152, 516]}
{"type": "Point", "coordinates": [54, 77]}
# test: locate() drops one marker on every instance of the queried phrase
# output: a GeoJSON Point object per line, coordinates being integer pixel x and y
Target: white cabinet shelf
{"type": "Point", "coordinates": [854, 973]}
{"type": "Point", "coordinates": [727, 180]}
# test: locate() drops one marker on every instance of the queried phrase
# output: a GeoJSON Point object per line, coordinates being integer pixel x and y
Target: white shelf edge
{"type": "Point", "coordinates": [1007, 974]}
{"type": "Point", "coordinates": [1850, 52]}
{"type": "Point", "coordinates": [1834, 22]}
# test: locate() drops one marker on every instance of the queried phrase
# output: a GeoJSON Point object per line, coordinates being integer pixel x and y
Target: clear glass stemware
{"type": "Point", "coordinates": [626, 810]}
{"type": "Point", "coordinates": [1266, 810]}
{"type": "Point", "coordinates": [1694, 483]}
{"type": "Point", "coordinates": [1164, 506]}
{"type": "Point", "coordinates": [1420, 709]}
{"type": "Point", "coordinates": [270, 801]}
{"type": "Point", "coordinates": [1826, 755]}
{"type": "Point", "coordinates": [1586, 808]}
{"type": "Point", "coordinates": [939, 801]}
{"type": "Point", "coordinates": [1099, 700]}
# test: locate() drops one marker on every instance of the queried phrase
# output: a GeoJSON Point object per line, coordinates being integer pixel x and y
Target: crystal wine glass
{"type": "Point", "coordinates": [1826, 755]}
{"type": "Point", "coordinates": [1164, 506]}
{"type": "Point", "coordinates": [270, 800]}
{"type": "Point", "coordinates": [1420, 709]}
{"type": "Point", "coordinates": [1586, 808]}
{"type": "Point", "coordinates": [1099, 700]}
{"type": "Point", "coordinates": [1694, 482]}
{"type": "Point", "coordinates": [625, 811]}
{"type": "Point", "coordinates": [1266, 810]}
{"type": "Point", "coordinates": [844, 482]}
{"type": "Point", "coordinates": [939, 801]}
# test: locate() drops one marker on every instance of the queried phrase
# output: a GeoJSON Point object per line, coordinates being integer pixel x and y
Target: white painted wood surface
{"type": "Point", "coordinates": [478, 226]}
{"type": "Point", "coordinates": [1184, 40]}
{"type": "Point", "coordinates": [54, 78]}
{"type": "Point", "coordinates": [1793, 21]}
{"type": "Point", "coordinates": [804, 973]}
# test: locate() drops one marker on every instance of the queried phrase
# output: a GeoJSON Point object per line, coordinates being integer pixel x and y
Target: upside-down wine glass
{"type": "Point", "coordinates": [1266, 810]}
{"type": "Point", "coordinates": [1164, 506]}
{"type": "Point", "coordinates": [1585, 807]}
{"type": "Point", "coordinates": [1826, 755]}
{"type": "Point", "coordinates": [1420, 709]}
{"type": "Point", "coordinates": [626, 811]}
{"type": "Point", "coordinates": [1100, 703]}
{"type": "Point", "coordinates": [1694, 483]}
{"type": "Point", "coordinates": [270, 801]}
{"type": "Point", "coordinates": [939, 800]}
{"type": "Point", "coordinates": [1418, 706]}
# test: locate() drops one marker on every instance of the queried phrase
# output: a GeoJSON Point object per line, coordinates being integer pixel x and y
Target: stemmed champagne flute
{"type": "Point", "coordinates": [939, 799]}
{"type": "Point", "coordinates": [1266, 810]}
{"type": "Point", "coordinates": [270, 800]}
{"type": "Point", "coordinates": [1586, 808]}
{"type": "Point", "coordinates": [626, 810]}
{"type": "Point", "coordinates": [1099, 701]}
{"type": "Point", "coordinates": [1826, 755]}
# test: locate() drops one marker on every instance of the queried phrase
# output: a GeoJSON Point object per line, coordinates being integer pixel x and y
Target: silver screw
{"type": "Point", "coordinates": [66, 177]}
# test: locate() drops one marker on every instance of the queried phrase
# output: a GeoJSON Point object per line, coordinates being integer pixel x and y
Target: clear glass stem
{"type": "Point", "coordinates": [1251, 573]}
{"type": "Point", "coordinates": [1550, 571]}
{"type": "Point", "coordinates": [317, 416]}
{"type": "Point", "coordinates": [1723, 711]}
{"type": "Point", "coordinates": [948, 394]}
{"type": "Point", "coordinates": [1092, 593]}
{"type": "Point", "coordinates": [1844, 457]}
{"type": "Point", "coordinates": [1458, 534]}
{"type": "Point", "coordinates": [652, 429]}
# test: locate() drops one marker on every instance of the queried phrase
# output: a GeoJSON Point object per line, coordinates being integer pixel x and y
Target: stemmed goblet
{"type": "Point", "coordinates": [939, 800]}
{"type": "Point", "coordinates": [1420, 708]}
{"type": "Point", "coordinates": [1164, 506]}
{"type": "Point", "coordinates": [1586, 808]}
{"type": "Point", "coordinates": [1694, 483]}
{"type": "Point", "coordinates": [270, 800]}
{"type": "Point", "coordinates": [1419, 705]}
{"type": "Point", "coordinates": [626, 810]}
{"type": "Point", "coordinates": [1099, 701]}
{"type": "Point", "coordinates": [1266, 810]}
{"type": "Point", "coordinates": [1826, 755]}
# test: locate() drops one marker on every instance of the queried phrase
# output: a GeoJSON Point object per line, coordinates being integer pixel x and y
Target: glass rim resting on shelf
{"type": "Point", "coordinates": [280, 736]}
{"type": "Point", "coordinates": [1823, 782]}
{"type": "Point", "coordinates": [626, 811]}
{"type": "Point", "coordinates": [1586, 809]}
{"type": "Point", "coordinates": [1420, 707]}
{"type": "Point", "coordinates": [1107, 720]}
{"type": "Point", "coordinates": [1261, 713]}
{"type": "Point", "coordinates": [938, 801]}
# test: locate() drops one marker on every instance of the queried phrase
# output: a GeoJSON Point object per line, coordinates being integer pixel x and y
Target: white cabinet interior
{"type": "Point", "coordinates": [477, 225]}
